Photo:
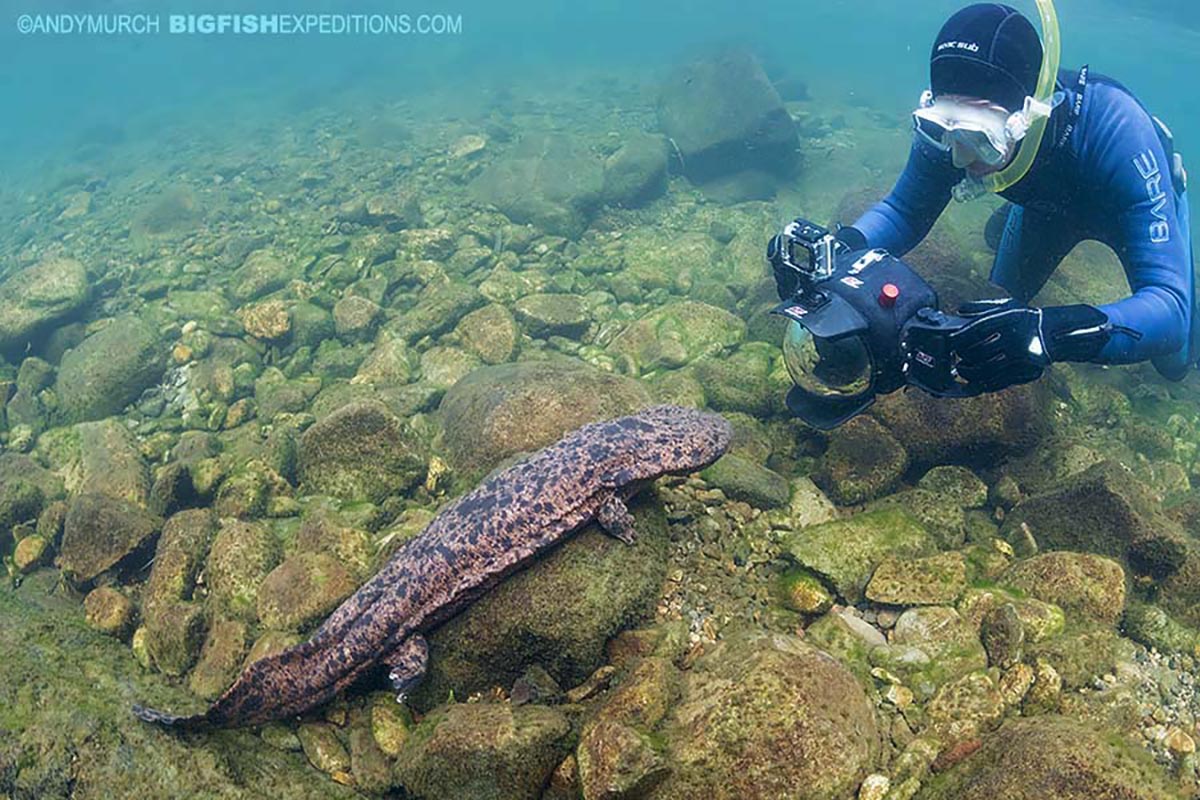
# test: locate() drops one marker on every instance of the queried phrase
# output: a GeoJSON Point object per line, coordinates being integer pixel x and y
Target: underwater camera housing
{"type": "Point", "coordinates": [861, 323]}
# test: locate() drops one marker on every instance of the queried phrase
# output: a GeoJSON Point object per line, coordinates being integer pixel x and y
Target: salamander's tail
{"type": "Point", "coordinates": [166, 720]}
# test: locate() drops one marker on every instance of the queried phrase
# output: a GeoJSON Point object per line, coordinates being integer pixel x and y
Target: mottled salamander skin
{"type": "Point", "coordinates": [475, 542]}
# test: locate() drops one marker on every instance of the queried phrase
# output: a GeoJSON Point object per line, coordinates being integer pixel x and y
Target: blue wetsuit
{"type": "Point", "coordinates": [1103, 172]}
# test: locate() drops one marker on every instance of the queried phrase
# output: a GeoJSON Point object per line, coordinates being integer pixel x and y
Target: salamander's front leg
{"type": "Point", "coordinates": [407, 665]}
{"type": "Point", "coordinates": [614, 517]}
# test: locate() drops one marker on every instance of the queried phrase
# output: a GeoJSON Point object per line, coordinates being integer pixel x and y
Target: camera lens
{"type": "Point", "coordinates": [839, 368]}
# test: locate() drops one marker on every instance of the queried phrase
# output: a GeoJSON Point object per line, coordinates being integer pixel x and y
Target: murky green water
{"type": "Point", "coordinates": [269, 301]}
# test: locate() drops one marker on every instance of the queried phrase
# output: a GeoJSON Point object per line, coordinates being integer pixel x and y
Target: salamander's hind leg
{"type": "Point", "coordinates": [615, 519]}
{"type": "Point", "coordinates": [407, 665]}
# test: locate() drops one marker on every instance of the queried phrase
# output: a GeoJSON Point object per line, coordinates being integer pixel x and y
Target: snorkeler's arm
{"type": "Point", "coordinates": [1153, 247]}
{"type": "Point", "coordinates": [901, 220]}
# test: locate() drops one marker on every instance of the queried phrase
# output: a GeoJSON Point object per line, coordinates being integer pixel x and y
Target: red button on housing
{"type": "Point", "coordinates": [888, 295]}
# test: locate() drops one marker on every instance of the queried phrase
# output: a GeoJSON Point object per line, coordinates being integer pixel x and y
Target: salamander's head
{"type": "Point", "coordinates": [676, 439]}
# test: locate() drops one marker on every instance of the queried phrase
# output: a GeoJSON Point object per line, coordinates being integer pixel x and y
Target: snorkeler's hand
{"type": "Point", "coordinates": [1001, 346]}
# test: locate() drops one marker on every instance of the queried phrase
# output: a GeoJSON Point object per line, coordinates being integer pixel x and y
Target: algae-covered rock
{"type": "Point", "coordinates": [262, 272]}
{"type": "Point", "coordinates": [845, 634]}
{"type": "Point", "coordinates": [804, 592]}
{"type": "Point", "coordinates": [108, 370]}
{"type": "Point", "coordinates": [111, 463]}
{"type": "Point", "coordinates": [863, 462]}
{"type": "Point", "coordinates": [677, 334]}
{"type": "Point", "coordinates": [1003, 635]}
{"type": "Point", "coordinates": [724, 116]}
{"type": "Point", "coordinates": [220, 659]}
{"type": "Point", "coordinates": [31, 553]}
{"type": "Point", "coordinates": [546, 315]}
{"type": "Point", "coordinates": [35, 298]}
{"type": "Point", "coordinates": [964, 708]}
{"type": "Point", "coordinates": [929, 647]}
{"type": "Point", "coordinates": [1103, 510]}
{"type": "Point", "coordinates": [934, 580]}
{"type": "Point", "coordinates": [322, 747]}
{"type": "Point", "coordinates": [744, 480]}
{"type": "Point", "coordinates": [483, 751]}
{"type": "Point", "coordinates": [1151, 626]}
{"type": "Point", "coordinates": [938, 430]}
{"type": "Point", "coordinates": [1083, 655]}
{"type": "Point", "coordinates": [938, 513]}
{"type": "Point", "coordinates": [109, 611]}
{"type": "Point", "coordinates": [768, 716]}
{"type": "Point", "coordinates": [303, 590]}
{"type": "Point", "coordinates": [173, 634]}
{"type": "Point", "coordinates": [101, 531]}
{"type": "Point", "coordinates": [1052, 758]}
{"type": "Point", "coordinates": [1087, 587]}
{"type": "Point", "coordinates": [442, 367]}
{"type": "Point", "coordinates": [390, 363]}
{"type": "Point", "coordinates": [558, 613]}
{"type": "Point", "coordinates": [496, 412]}
{"type": "Point", "coordinates": [741, 381]}
{"type": "Point", "coordinates": [958, 483]}
{"type": "Point", "coordinates": [1039, 620]}
{"type": "Point", "coordinates": [617, 761]}
{"type": "Point", "coordinates": [637, 172]}
{"type": "Point", "coordinates": [845, 552]}
{"type": "Point", "coordinates": [439, 308]}
{"type": "Point", "coordinates": [1179, 594]}
{"type": "Point", "coordinates": [491, 333]}
{"type": "Point", "coordinates": [73, 736]}
{"type": "Point", "coordinates": [242, 555]}
{"type": "Point", "coordinates": [360, 452]}
{"type": "Point", "coordinates": [20, 501]}
{"type": "Point", "coordinates": [16, 468]}
{"type": "Point", "coordinates": [354, 317]}
{"type": "Point", "coordinates": [179, 556]}
{"type": "Point", "coordinates": [550, 181]}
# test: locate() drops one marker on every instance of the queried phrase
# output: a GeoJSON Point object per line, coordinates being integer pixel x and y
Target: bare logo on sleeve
{"type": "Point", "coordinates": [1147, 167]}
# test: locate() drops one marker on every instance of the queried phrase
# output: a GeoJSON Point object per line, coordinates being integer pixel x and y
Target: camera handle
{"type": "Point", "coordinates": [929, 359]}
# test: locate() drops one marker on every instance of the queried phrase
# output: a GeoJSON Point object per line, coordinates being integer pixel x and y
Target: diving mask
{"type": "Point", "coordinates": [982, 130]}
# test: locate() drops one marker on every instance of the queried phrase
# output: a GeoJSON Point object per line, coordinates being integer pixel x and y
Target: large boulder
{"type": "Point", "coordinates": [1052, 758]}
{"type": "Point", "coordinates": [769, 716]}
{"type": "Point", "coordinates": [551, 181]}
{"type": "Point", "coordinates": [1103, 510]}
{"type": "Point", "coordinates": [724, 116]}
{"type": "Point", "coordinates": [360, 452]}
{"type": "Point", "coordinates": [34, 299]}
{"type": "Point", "coordinates": [938, 430]}
{"type": "Point", "coordinates": [499, 411]}
{"type": "Point", "coordinates": [68, 732]}
{"type": "Point", "coordinates": [558, 613]}
{"type": "Point", "coordinates": [108, 370]}
{"type": "Point", "coordinates": [100, 532]}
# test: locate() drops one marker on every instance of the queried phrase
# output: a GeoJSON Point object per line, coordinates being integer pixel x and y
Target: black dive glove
{"type": "Point", "coordinates": [1006, 343]}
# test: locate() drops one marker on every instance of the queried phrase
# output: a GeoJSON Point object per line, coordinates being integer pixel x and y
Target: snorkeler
{"type": "Point", "coordinates": [1078, 157]}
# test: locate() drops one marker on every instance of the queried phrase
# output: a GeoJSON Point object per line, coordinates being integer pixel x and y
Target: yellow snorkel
{"type": "Point", "coordinates": [1037, 112]}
